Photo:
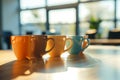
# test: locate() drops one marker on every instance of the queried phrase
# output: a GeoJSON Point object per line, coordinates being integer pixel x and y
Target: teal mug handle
{"type": "Point", "coordinates": [71, 44]}
{"type": "Point", "coordinates": [88, 43]}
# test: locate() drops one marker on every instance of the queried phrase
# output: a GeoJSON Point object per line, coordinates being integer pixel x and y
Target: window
{"type": "Point", "coordinates": [60, 2]}
{"type": "Point", "coordinates": [71, 15]}
{"type": "Point", "coordinates": [33, 21]}
{"type": "Point", "coordinates": [101, 11]}
{"type": "Point", "coordinates": [118, 14]}
{"type": "Point", "coordinates": [63, 21]}
{"type": "Point", "coordinates": [25, 4]}
{"type": "Point", "coordinates": [118, 24]}
{"type": "Point", "coordinates": [118, 9]}
{"type": "Point", "coordinates": [33, 16]}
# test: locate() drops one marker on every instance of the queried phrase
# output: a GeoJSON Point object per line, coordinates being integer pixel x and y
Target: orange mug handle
{"type": "Point", "coordinates": [52, 46]}
{"type": "Point", "coordinates": [85, 43]}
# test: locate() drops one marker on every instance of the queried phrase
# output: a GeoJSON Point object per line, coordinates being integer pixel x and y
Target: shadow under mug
{"type": "Point", "coordinates": [30, 46]}
{"type": "Point", "coordinates": [60, 45]}
{"type": "Point", "coordinates": [80, 43]}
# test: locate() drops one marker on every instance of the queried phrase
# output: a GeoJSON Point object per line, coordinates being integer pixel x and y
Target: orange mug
{"type": "Point", "coordinates": [60, 45]}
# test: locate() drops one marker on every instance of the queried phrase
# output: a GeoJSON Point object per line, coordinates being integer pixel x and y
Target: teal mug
{"type": "Point", "coordinates": [80, 43]}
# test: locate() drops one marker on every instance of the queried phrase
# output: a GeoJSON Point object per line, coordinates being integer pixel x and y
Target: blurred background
{"type": "Point", "coordinates": [96, 18]}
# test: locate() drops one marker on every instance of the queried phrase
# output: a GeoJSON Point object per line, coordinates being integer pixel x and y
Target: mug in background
{"type": "Point", "coordinates": [30, 46]}
{"type": "Point", "coordinates": [80, 43]}
{"type": "Point", "coordinates": [60, 45]}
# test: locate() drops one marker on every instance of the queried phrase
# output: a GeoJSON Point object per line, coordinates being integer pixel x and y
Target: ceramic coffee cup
{"type": "Point", "coordinates": [80, 43]}
{"type": "Point", "coordinates": [30, 46]}
{"type": "Point", "coordinates": [60, 45]}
